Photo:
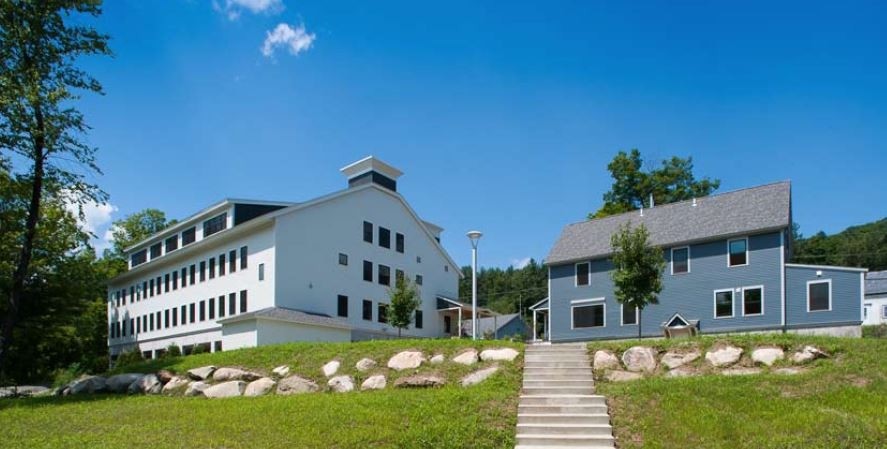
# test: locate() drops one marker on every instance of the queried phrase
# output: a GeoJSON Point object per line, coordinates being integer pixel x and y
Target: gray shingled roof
{"type": "Point", "coordinates": [876, 283]}
{"type": "Point", "coordinates": [291, 315]}
{"type": "Point", "coordinates": [739, 212]}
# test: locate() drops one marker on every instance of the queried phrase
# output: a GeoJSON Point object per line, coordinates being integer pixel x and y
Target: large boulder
{"type": "Point", "coordinates": [259, 387]}
{"type": "Point", "coordinates": [228, 389]}
{"type": "Point", "coordinates": [87, 385]}
{"type": "Point", "coordinates": [623, 376]}
{"type": "Point", "coordinates": [723, 356]}
{"type": "Point", "coordinates": [767, 356]}
{"type": "Point", "coordinates": [807, 353]}
{"type": "Point", "coordinates": [147, 384]}
{"type": "Point", "coordinates": [24, 391]}
{"type": "Point", "coordinates": [478, 376]}
{"type": "Point", "coordinates": [281, 371]}
{"type": "Point", "coordinates": [296, 385]}
{"type": "Point", "coordinates": [406, 360]}
{"type": "Point", "coordinates": [165, 376]}
{"type": "Point", "coordinates": [363, 365]}
{"type": "Point", "coordinates": [202, 373]}
{"type": "Point", "coordinates": [681, 371]}
{"type": "Point", "coordinates": [639, 359]}
{"type": "Point", "coordinates": [341, 384]}
{"type": "Point", "coordinates": [376, 382]}
{"type": "Point", "coordinates": [175, 384]}
{"type": "Point", "coordinates": [437, 359]}
{"type": "Point", "coordinates": [675, 359]}
{"type": "Point", "coordinates": [226, 374]}
{"type": "Point", "coordinates": [605, 360]}
{"type": "Point", "coordinates": [419, 381]}
{"type": "Point", "coordinates": [740, 371]}
{"type": "Point", "coordinates": [196, 388]}
{"type": "Point", "coordinates": [330, 368]}
{"type": "Point", "coordinates": [119, 383]}
{"type": "Point", "coordinates": [468, 357]}
{"type": "Point", "coordinates": [503, 354]}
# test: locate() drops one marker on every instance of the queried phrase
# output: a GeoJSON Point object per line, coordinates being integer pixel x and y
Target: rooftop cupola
{"type": "Point", "coordinates": [371, 170]}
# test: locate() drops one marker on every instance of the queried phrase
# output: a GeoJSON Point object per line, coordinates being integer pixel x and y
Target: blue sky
{"type": "Point", "coordinates": [502, 115]}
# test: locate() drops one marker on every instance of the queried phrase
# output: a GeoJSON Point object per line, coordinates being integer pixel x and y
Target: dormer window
{"type": "Point", "coordinates": [156, 250]}
{"type": "Point", "coordinates": [737, 252]}
{"type": "Point", "coordinates": [189, 236]}
{"type": "Point", "coordinates": [139, 257]}
{"type": "Point", "coordinates": [680, 260]}
{"type": "Point", "coordinates": [583, 274]}
{"type": "Point", "coordinates": [215, 224]}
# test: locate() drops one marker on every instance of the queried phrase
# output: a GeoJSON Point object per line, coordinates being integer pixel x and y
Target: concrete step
{"type": "Point", "coordinates": [584, 441]}
{"type": "Point", "coordinates": [565, 429]}
{"type": "Point", "coordinates": [547, 359]}
{"type": "Point", "coordinates": [574, 377]}
{"type": "Point", "coordinates": [558, 383]}
{"type": "Point", "coordinates": [563, 418]}
{"type": "Point", "coordinates": [558, 390]}
{"type": "Point", "coordinates": [562, 399]}
{"type": "Point", "coordinates": [567, 409]}
{"type": "Point", "coordinates": [557, 351]}
{"type": "Point", "coordinates": [557, 371]}
{"type": "Point", "coordinates": [555, 364]}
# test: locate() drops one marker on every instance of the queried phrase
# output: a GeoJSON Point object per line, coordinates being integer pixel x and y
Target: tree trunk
{"type": "Point", "coordinates": [640, 310]}
{"type": "Point", "coordinates": [24, 259]}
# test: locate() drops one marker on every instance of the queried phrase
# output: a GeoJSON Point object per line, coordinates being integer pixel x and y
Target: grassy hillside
{"type": "Point", "coordinates": [482, 416]}
{"type": "Point", "coordinates": [840, 402]}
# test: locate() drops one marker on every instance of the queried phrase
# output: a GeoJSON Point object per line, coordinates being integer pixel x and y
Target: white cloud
{"type": "Point", "coordinates": [234, 8]}
{"type": "Point", "coordinates": [520, 263]}
{"type": "Point", "coordinates": [296, 40]}
{"type": "Point", "coordinates": [96, 220]}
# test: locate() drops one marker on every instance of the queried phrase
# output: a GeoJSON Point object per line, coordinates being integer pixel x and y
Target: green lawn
{"type": "Point", "coordinates": [839, 402]}
{"type": "Point", "coordinates": [482, 416]}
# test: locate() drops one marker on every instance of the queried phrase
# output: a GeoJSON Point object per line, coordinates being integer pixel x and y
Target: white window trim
{"type": "Point", "coordinates": [622, 316]}
{"type": "Point", "coordinates": [752, 287]}
{"type": "Point", "coordinates": [688, 260]}
{"type": "Point", "coordinates": [586, 303]}
{"type": "Point", "coordinates": [576, 274]}
{"type": "Point", "coordinates": [732, 303]}
{"type": "Point", "coordinates": [747, 259]}
{"type": "Point", "coordinates": [820, 281]}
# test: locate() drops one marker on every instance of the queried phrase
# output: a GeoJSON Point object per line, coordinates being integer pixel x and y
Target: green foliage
{"type": "Point", "coordinates": [129, 358]}
{"type": "Point", "coordinates": [510, 290]}
{"type": "Point", "coordinates": [632, 186]}
{"type": "Point", "coordinates": [637, 268]}
{"type": "Point", "coordinates": [857, 246]}
{"type": "Point", "coordinates": [132, 229]}
{"type": "Point", "coordinates": [875, 331]}
{"type": "Point", "coordinates": [67, 375]}
{"type": "Point", "coordinates": [403, 299]}
{"type": "Point", "coordinates": [173, 350]}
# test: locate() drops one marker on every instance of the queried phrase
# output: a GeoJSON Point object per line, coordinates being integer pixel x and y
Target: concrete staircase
{"type": "Point", "coordinates": [558, 407]}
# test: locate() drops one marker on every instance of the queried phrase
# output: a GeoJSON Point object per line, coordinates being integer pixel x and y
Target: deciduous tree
{"type": "Point", "coordinates": [637, 268]}
{"type": "Point", "coordinates": [404, 299]}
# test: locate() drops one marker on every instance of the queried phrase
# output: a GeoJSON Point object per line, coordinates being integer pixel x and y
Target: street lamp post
{"type": "Point", "coordinates": [474, 236]}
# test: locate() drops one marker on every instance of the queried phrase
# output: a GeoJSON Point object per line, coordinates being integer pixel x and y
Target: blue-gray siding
{"type": "Point", "coordinates": [846, 297]}
{"type": "Point", "coordinates": [690, 294]}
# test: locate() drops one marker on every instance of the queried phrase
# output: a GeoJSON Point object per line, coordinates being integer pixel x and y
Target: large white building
{"type": "Point", "coordinates": [247, 273]}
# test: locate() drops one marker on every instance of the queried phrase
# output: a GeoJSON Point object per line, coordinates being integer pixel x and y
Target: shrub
{"type": "Point", "coordinates": [198, 349]}
{"type": "Point", "coordinates": [876, 331]}
{"type": "Point", "coordinates": [129, 358]}
{"type": "Point", "coordinates": [67, 375]}
{"type": "Point", "coordinates": [173, 350]}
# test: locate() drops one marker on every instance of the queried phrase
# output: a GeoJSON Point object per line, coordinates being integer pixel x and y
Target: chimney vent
{"type": "Point", "coordinates": [371, 170]}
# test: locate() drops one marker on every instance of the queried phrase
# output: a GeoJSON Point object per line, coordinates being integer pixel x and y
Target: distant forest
{"type": "Point", "coordinates": [512, 289]}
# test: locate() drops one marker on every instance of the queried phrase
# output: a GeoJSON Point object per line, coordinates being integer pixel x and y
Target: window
{"type": "Point", "coordinates": [165, 283]}
{"type": "Point", "coordinates": [384, 238]}
{"type": "Point", "coordinates": [152, 287]}
{"type": "Point", "coordinates": [261, 272]}
{"type": "Point", "coordinates": [221, 265]}
{"type": "Point", "coordinates": [166, 319]}
{"type": "Point", "coordinates": [145, 323]}
{"type": "Point", "coordinates": [583, 273]}
{"type": "Point", "coordinates": [202, 310]}
{"type": "Point", "coordinates": [243, 254]}
{"type": "Point", "coordinates": [398, 276]}
{"type": "Point", "coordinates": [191, 271]}
{"type": "Point", "coordinates": [156, 250]}
{"type": "Point", "coordinates": [448, 324]}
{"type": "Point", "coordinates": [139, 257]}
{"type": "Point", "coordinates": [175, 280]}
{"type": "Point", "coordinates": [175, 316]}
{"type": "Point", "coordinates": [753, 300]}
{"type": "Point", "coordinates": [151, 322]}
{"type": "Point", "coordinates": [184, 277]}
{"type": "Point", "coordinates": [211, 303]}
{"type": "Point", "coordinates": [738, 252]}
{"type": "Point", "coordinates": [189, 236]}
{"type": "Point", "coordinates": [243, 301]}
{"type": "Point", "coordinates": [382, 313]}
{"type": "Point", "coordinates": [232, 261]}
{"type": "Point", "coordinates": [446, 268]}
{"type": "Point", "coordinates": [884, 311]}
{"type": "Point", "coordinates": [217, 346]}
{"type": "Point", "coordinates": [629, 315]}
{"type": "Point", "coordinates": [418, 259]}
{"type": "Point", "coordinates": [215, 224]}
{"type": "Point", "coordinates": [342, 308]}
{"type": "Point", "coordinates": [680, 260]}
{"type": "Point", "coordinates": [588, 315]}
{"type": "Point", "coordinates": [192, 312]}
{"type": "Point", "coordinates": [367, 232]}
{"type": "Point", "coordinates": [202, 270]}
{"type": "Point", "coordinates": [172, 243]}
{"type": "Point", "coordinates": [222, 306]}
{"type": "Point", "coordinates": [398, 242]}
{"type": "Point", "coordinates": [232, 303]}
{"type": "Point", "coordinates": [724, 303]}
{"type": "Point", "coordinates": [384, 275]}
{"type": "Point", "coordinates": [419, 279]}
{"type": "Point", "coordinates": [343, 259]}
{"type": "Point", "coordinates": [819, 295]}
{"type": "Point", "coordinates": [212, 268]}
{"type": "Point", "coordinates": [367, 271]}
{"type": "Point", "coordinates": [184, 315]}
{"type": "Point", "coordinates": [367, 310]}
{"type": "Point", "coordinates": [419, 322]}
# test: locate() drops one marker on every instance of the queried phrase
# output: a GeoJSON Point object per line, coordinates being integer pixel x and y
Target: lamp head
{"type": "Point", "coordinates": [474, 236]}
